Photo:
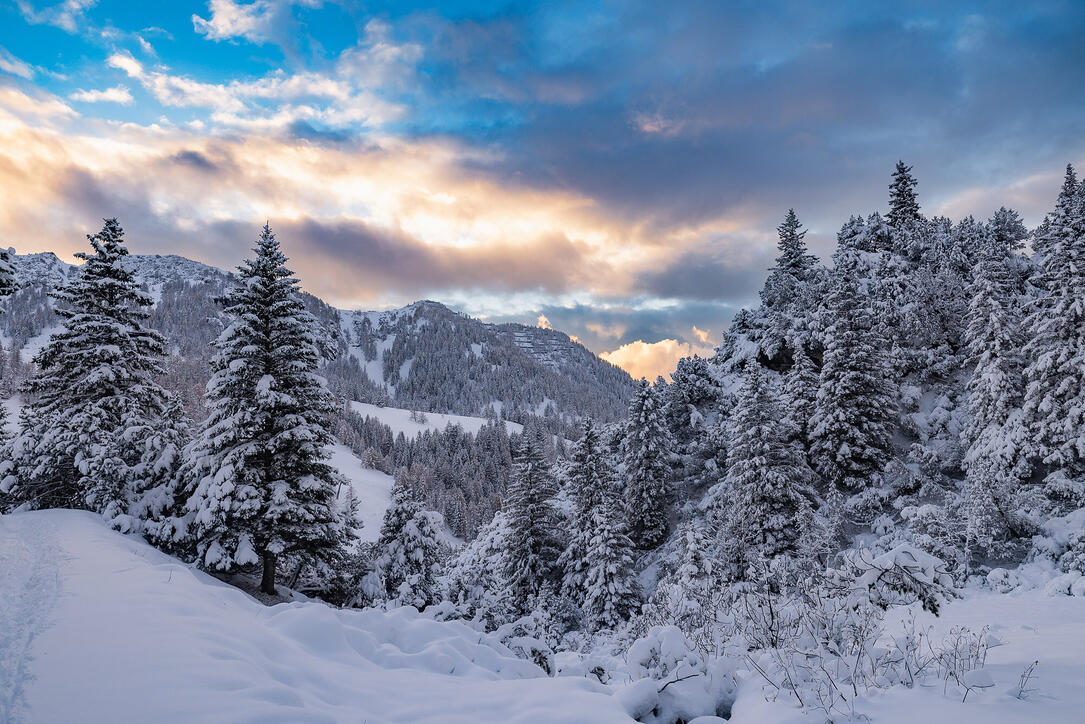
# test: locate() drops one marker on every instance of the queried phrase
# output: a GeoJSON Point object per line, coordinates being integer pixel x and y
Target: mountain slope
{"type": "Point", "coordinates": [429, 357]}
{"type": "Point", "coordinates": [423, 356]}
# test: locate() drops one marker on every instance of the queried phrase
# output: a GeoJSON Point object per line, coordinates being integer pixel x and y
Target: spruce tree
{"type": "Point", "coordinates": [1054, 402]}
{"type": "Point", "coordinates": [903, 202]}
{"type": "Point", "coordinates": [994, 343]}
{"type": "Point", "coordinates": [260, 485]}
{"type": "Point", "coordinates": [409, 549]}
{"type": "Point", "coordinates": [8, 284]}
{"type": "Point", "coordinates": [801, 391]}
{"type": "Point", "coordinates": [95, 406]}
{"type": "Point", "coordinates": [645, 449]}
{"type": "Point", "coordinates": [610, 584]}
{"type": "Point", "coordinates": [850, 428]}
{"type": "Point", "coordinates": [785, 292]}
{"type": "Point", "coordinates": [533, 542]}
{"type": "Point", "coordinates": [590, 483]}
{"type": "Point", "coordinates": [767, 477]}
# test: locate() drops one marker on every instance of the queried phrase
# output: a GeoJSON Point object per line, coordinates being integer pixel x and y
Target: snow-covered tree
{"type": "Point", "coordinates": [784, 295]}
{"type": "Point", "coordinates": [533, 529]}
{"type": "Point", "coordinates": [1054, 402]}
{"type": "Point", "coordinates": [850, 428]}
{"type": "Point", "coordinates": [88, 435]}
{"type": "Point", "coordinates": [8, 285]}
{"type": "Point", "coordinates": [591, 485]}
{"type": "Point", "coordinates": [260, 486]}
{"type": "Point", "coordinates": [645, 450]}
{"type": "Point", "coordinates": [610, 585]}
{"type": "Point", "coordinates": [993, 432]}
{"type": "Point", "coordinates": [767, 478]}
{"type": "Point", "coordinates": [409, 550]}
{"type": "Point", "coordinates": [800, 391]}
{"type": "Point", "coordinates": [903, 201]}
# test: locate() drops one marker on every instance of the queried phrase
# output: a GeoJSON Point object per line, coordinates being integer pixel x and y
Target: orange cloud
{"type": "Point", "coordinates": [651, 359]}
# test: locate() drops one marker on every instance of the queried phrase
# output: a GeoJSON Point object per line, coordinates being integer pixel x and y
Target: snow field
{"type": "Point", "coordinates": [400, 420]}
{"type": "Point", "coordinates": [137, 636]}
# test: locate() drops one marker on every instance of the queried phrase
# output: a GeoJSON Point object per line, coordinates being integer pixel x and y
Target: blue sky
{"type": "Point", "coordinates": [617, 168]}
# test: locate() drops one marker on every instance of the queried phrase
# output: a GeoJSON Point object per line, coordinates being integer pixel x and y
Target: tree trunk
{"type": "Point", "coordinates": [267, 582]}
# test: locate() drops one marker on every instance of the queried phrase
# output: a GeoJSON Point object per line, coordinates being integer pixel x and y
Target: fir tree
{"type": "Point", "coordinates": [610, 584]}
{"type": "Point", "coordinates": [801, 391]}
{"type": "Point", "coordinates": [1054, 402]}
{"type": "Point", "coordinates": [645, 450]}
{"type": "Point", "coordinates": [260, 485]}
{"type": "Point", "coordinates": [533, 543]}
{"type": "Point", "coordinates": [903, 203]}
{"type": "Point", "coordinates": [850, 427]}
{"type": "Point", "coordinates": [784, 293]}
{"type": "Point", "coordinates": [95, 407]}
{"type": "Point", "coordinates": [409, 550]}
{"type": "Point", "coordinates": [590, 484]}
{"type": "Point", "coordinates": [8, 284]}
{"type": "Point", "coordinates": [766, 479]}
{"type": "Point", "coordinates": [994, 343]}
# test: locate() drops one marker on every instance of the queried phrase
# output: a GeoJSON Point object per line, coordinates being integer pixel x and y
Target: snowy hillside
{"type": "Point", "coordinates": [372, 489]}
{"type": "Point", "coordinates": [426, 356]}
{"type": "Point", "coordinates": [411, 423]}
{"type": "Point", "coordinates": [96, 627]}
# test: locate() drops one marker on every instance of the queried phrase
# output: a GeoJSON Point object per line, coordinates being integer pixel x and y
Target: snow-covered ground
{"type": "Point", "coordinates": [372, 488]}
{"type": "Point", "coordinates": [100, 627]}
{"type": "Point", "coordinates": [400, 420]}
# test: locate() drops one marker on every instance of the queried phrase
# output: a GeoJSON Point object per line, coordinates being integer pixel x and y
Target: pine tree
{"type": "Point", "coordinates": [994, 343]}
{"type": "Point", "coordinates": [645, 450]}
{"type": "Point", "coordinates": [903, 203]}
{"type": "Point", "coordinates": [611, 594]}
{"type": "Point", "coordinates": [8, 284]}
{"type": "Point", "coordinates": [785, 290]}
{"type": "Point", "coordinates": [850, 427]}
{"type": "Point", "coordinates": [533, 543]}
{"type": "Point", "coordinates": [801, 391]}
{"type": "Point", "coordinates": [766, 479]}
{"type": "Point", "coordinates": [95, 407]}
{"type": "Point", "coordinates": [409, 551]}
{"type": "Point", "coordinates": [590, 483]}
{"type": "Point", "coordinates": [260, 486]}
{"type": "Point", "coordinates": [1054, 402]}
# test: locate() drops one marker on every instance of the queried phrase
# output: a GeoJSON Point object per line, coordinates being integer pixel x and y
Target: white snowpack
{"type": "Point", "coordinates": [100, 628]}
{"type": "Point", "coordinates": [400, 420]}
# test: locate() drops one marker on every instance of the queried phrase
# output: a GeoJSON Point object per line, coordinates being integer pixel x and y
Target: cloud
{"type": "Point", "coordinates": [314, 103]}
{"type": "Point", "coordinates": [66, 15]}
{"type": "Point", "coordinates": [10, 64]}
{"type": "Point", "coordinates": [651, 359]}
{"type": "Point", "coordinates": [119, 94]}
{"type": "Point", "coordinates": [259, 22]}
{"type": "Point", "coordinates": [124, 61]}
{"type": "Point", "coordinates": [543, 322]}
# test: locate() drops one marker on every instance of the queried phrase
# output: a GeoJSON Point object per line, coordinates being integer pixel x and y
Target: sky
{"type": "Point", "coordinates": [615, 170]}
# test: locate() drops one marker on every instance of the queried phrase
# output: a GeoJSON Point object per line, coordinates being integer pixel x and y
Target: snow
{"type": "Point", "coordinates": [101, 628]}
{"type": "Point", "coordinates": [400, 420]}
{"type": "Point", "coordinates": [372, 488]}
{"type": "Point", "coordinates": [1029, 626]}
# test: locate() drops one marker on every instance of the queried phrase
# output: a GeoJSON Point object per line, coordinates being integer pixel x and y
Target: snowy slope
{"type": "Point", "coordinates": [372, 488]}
{"type": "Point", "coordinates": [400, 420]}
{"type": "Point", "coordinates": [100, 628]}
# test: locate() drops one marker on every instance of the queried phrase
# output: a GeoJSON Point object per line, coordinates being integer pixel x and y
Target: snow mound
{"type": "Point", "coordinates": [99, 627]}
